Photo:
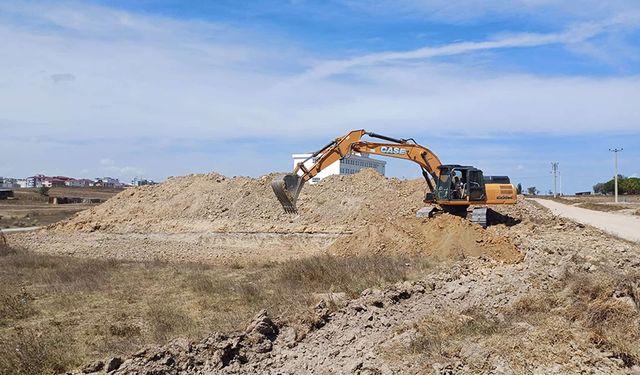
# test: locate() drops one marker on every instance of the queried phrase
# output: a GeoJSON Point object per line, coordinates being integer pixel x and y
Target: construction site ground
{"type": "Point", "coordinates": [30, 208]}
{"type": "Point", "coordinates": [172, 279]}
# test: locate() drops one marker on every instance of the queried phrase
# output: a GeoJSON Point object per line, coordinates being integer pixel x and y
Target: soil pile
{"type": "Point", "coordinates": [445, 236]}
{"type": "Point", "coordinates": [212, 202]}
{"type": "Point", "coordinates": [366, 212]}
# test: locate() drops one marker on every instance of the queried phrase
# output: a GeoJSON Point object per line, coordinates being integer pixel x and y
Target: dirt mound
{"type": "Point", "coordinates": [446, 236]}
{"type": "Point", "coordinates": [212, 202]}
{"type": "Point", "coordinates": [370, 213]}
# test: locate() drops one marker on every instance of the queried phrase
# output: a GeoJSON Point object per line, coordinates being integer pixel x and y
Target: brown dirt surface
{"type": "Point", "coordinates": [212, 202]}
{"type": "Point", "coordinates": [571, 306]}
{"type": "Point", "coordinates": [445, 236]}
{"type": "Point", "coordinates": [214, 218]}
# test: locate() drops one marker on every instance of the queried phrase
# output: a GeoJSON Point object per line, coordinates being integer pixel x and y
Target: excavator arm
{"type": "Point", "coordinates": [288, 187]}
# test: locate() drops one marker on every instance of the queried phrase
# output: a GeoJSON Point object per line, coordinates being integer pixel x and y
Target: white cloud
{"type": "Point", "coordinates": [576, 34]}
{"type": "Point", "coordinates": [123, 76]}
{"type": "Point", "coordinates": [466, 11]}
{"type": "Point", "coordinates": [110, 168]}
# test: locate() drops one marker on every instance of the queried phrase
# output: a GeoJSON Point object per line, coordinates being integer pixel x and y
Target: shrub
{"type": "Point", "coordinates": [30, 351]}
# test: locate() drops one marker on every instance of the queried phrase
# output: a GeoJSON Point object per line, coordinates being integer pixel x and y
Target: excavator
{"type": "Point", "coordinates": [452, 188]}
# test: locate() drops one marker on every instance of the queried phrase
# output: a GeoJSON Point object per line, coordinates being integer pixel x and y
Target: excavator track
{"type": "Point", "coordinates": [479, 216]}
{"type": "Point", "coordinates": [482, 216]}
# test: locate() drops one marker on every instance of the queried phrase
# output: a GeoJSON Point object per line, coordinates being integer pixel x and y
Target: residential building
{"type": "Point", "coordinates": [56, 181]}
{"type": "Point", "coordinates": [35, 181]}
{"type": "Point", "coordinates": [8, 183]}
{"type": "Point", "coordinates": [84, 182]}
{"type": "Point", "coordinates": [137, 181]}
{"type": "Point", "coordinates": [108, 182]}
{"type": "Point", "coordinates": [350, 164]}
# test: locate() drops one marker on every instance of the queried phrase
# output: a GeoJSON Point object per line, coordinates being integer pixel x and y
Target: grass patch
{"type": "Point", "coordinates": [107, 308]}
{"type": "Point", "coordinates": [30, 351]}
{"type": "Point", "coordinates": [608, 306]}
{"type": "Point", "coordinates": [167, 320]}
{"type": "Point", "coordinates": [588, 310]}
{"type": "Point", "coordinates": [350, 275]}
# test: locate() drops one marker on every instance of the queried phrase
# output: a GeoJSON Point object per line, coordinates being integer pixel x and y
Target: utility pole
{"type": "Point", "coordinates": [560, 176]}
{"type": "Point", "coordinates": [554, 170]}
{"type": "Point", "coordinates": [615, 166]}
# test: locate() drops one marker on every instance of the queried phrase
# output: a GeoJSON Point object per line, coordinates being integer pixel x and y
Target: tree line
{"type": "Point", "coordinates": [626, 185]}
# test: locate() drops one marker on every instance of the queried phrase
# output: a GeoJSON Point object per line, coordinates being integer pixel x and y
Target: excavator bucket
{"type": "Point", "coordinates": [287, 188]}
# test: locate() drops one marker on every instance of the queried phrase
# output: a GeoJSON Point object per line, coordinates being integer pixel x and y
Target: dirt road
{"type": "Point", "coordinates": [16, 230]}
{"type": "Point", "coordinates": [623, 226]}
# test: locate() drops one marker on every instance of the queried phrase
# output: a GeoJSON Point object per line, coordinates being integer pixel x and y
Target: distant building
{"type": "Point", "coordinates": [35, 181]}
{"type": "Point", "coordinates": [142, 182]}
{"type": "Point", "coordinates": [350, 164]}
{"type": "Point", "coordinates": [83, 182]}
{"type": "Point", "coordinates": [8, 183]}
{"type": "Point", "coordinates": [56, 181]}
{"type": "Point", "coordinates": [108, 182]}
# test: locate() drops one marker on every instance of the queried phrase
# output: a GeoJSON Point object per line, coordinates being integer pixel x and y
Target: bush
{"type": "Point", "coordinates": [44, 191]}
{"type": "Point", "coordinates": [351, 275]}
{"type": "Point", "coordinates": [29, 351]}
{"type": "Point", "coordinates": [168, 320]}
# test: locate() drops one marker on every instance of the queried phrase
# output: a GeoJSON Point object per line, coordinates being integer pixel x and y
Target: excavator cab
{"type": "Point", "coordinates": [459, 183]}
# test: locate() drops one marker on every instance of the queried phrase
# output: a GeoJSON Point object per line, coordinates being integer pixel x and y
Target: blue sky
{"type": "Point", "coordinates": [166, 87]}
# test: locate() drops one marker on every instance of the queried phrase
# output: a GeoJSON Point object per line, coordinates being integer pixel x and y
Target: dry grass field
{"type": "Point", "coordinates": [30, 208]}
{"type": "Point", "coordinates": [627, 204]}
{"type": "Point", "coordinates": [57, 313]}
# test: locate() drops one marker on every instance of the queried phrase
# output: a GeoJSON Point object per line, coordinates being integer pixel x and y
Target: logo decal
{"type": "Point", "coordinates": [393, 150]}
{"type": "Point", "coordinates": [504, 197]}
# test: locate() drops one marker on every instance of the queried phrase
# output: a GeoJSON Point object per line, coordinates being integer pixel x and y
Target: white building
{"type": "Point", "coordinates": [350, 164]}
{"type": "Point", "coordinates": [137, 181]}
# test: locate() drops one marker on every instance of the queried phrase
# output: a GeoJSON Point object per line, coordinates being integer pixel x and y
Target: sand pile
{"type": "Point", "coordinates": [212, 202]}
{"type": "Point", "coordinates": [445, 236]}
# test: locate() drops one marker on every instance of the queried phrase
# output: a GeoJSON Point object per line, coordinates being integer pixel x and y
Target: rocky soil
{"type": "Point", "coordinates": [570, 306]}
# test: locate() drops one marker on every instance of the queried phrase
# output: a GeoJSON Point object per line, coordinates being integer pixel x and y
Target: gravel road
{"type": "Point", "coordinates": [623, 226]}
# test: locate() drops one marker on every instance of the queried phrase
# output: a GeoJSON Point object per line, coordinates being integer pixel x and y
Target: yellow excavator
{"type": "Point", "coordinates": [451, 188]}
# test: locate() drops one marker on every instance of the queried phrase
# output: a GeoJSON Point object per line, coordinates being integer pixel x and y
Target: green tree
{"type": "Point", "coordinates": [630, 185]}
{"type": "Point", "coordinates": [598, 188]}
{"type": "Point", "coordinates": [519, 188]}
{"type": "Point", "coordinates": [625, 186]}
{"type": "Point", "coordinates": [532, 190]}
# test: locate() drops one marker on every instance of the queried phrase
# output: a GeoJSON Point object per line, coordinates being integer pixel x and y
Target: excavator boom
{"type": "Point", "coordinates": [287, 188]}
{"type": "Point", "coordinates": [452, 188]}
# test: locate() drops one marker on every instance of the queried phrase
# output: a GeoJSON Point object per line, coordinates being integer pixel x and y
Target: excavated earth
{"type": "Point", "coordinates": [364, 334]}
{"type": "Point", "coordinates": [533, 256]}
{"type": "Point", "coordinates": [214, 218]}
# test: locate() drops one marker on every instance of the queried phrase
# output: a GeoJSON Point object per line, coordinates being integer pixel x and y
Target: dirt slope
{"type": "Point", "coordinates": [445, 236]}
{"type": "Point", "coordinates": [366, 212]}
{"type": "Point", "coordinates": [570, 307]}
{"type": "Point", "coordinates": [212, 202]}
